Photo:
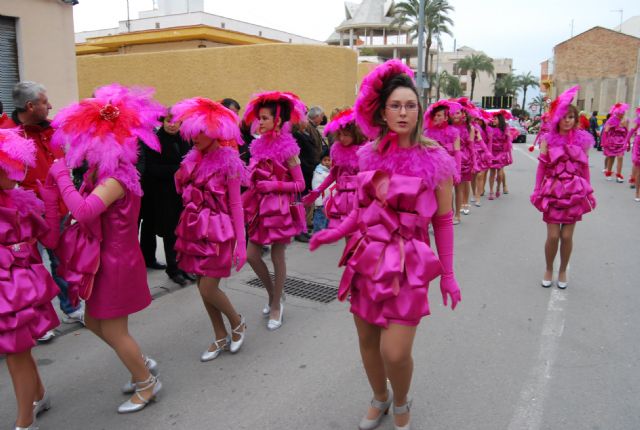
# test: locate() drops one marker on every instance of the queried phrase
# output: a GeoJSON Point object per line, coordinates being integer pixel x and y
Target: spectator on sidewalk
{"type": "Point", "coordinates": [320, 221]}
{"type": "Point", "coordinates": [31, 118]}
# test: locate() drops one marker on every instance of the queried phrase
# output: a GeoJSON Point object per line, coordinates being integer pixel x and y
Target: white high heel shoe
{"type": "Point", "coordinates": [44, 404]}
{"type": "Point", "coordinates": [400, 410]}
{"type": "Point", "coordinates": [266, 310]}
{"type": "Point", "coordinates": [129, 407]}
{"type": "Point", "coordinates": [236, 344]}
{"type": "Point", "coordinates": [276, 324]}
{"type": "Point", "coordinates": [383, 407]}
{"type": "Point", "coordinates": [221, 345]}
{"type": "Point", "coordinates": [152, 365]}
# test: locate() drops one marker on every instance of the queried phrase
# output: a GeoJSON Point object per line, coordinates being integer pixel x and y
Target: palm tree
{"type": "Point", "coordinates": [436, 22]}
{"type": "Point", "coordinates": [476, 63]}
{"type": "Point", "coordinates": [538, 101]}
{"type": "Point", "coordinates": [526, 81]}
{"type": "Point", "coordinates": [448, 84]}
{"type": "Point", "coordinates": [506, 85]}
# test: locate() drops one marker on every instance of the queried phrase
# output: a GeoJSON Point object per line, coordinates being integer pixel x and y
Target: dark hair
{"type": "Point", "coordinates": [353, 130]}
{"type": "Point", "coordinates": [595, 113]}
{"type": "Point", "coordinates": [228, 103]}
{"type": "Point", "coordinates": [1, 108]}
{"type": "Point", "coordinates": [285, 111]}
{"type": "Point", "coordinates": [467, 120]}
{"type": "Point", "coordinates": [399, 81]}
{"type": "Point", "coordinates": [437, 109]}
{"type": "Point", "coordinates": [325, 153]}
{"type": "Point", "coordinates": [502, 124]}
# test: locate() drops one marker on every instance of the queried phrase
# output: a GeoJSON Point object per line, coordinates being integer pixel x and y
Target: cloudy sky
{"type": "Point", "coordinates": [525, 31]}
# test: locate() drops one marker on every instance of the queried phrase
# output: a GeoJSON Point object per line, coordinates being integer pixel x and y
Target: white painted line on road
{"type": "Point", "coordinates": [529, 411]}
{"type": "Point", "coordinates": [525, 153]}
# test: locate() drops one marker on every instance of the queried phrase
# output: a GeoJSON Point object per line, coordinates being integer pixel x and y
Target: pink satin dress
{"type": "Point", "coordinates": [565, 193]}
{"type": "Point", "coordinates": [501, 147]}
{"type": "Point", "coordinates": [343, 195]}
{"type": "Point", "coordinates": [446, 136]}
{"type": "Point", "coordinates": [467, 153]}
{"type": "Point", "coordinates": [388, 261]}
{"type": "Point", "coordinates": [26, 287]}
{"type": "Point", "coordinates": [635, 152]}
{"type": "Point", "coordinates": [483, 154]}
{"type": "Point", "coordinates": [615, 141]}
{"type": "Point", "coordinates": [205, 234]}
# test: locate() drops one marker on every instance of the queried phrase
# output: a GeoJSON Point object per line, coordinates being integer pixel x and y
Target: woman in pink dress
{"type": "Point", "coordinates": [272, 210]}
{"type": "Point", "coordinates": [634, 141]}
{"type": "Point", "coordinates": [483, 157]}
{"type": "Point", "coordinates": [501, 149]}
{"type": "Point", "coordinates": [210, 234]}
{"type": "Point", "coordinates": [437, 127]}
{"type": "Point", "coordinates": [101, 258]}
{"type": "Point", "coordinates": [462, 121]}
{"type": "Point", "coordinates": [562, 191]}
{"type": "Point", "coordinates": [26, 287]}
{"type": "Point", "coordinates": [614, 140]}
{"type": "Point", "coordinates": [405, 183]}
{"type": "Point", "coordinates": [344, 168]}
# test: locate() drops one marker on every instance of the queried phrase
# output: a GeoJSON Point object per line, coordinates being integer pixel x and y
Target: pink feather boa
{"type": "Point", "coordinates": [201, 115]}
{"type": "Point", "coordinates": [341, 120]}
{"type": "Point", "coordinates": [222, 161]}
{"type": "Point", "coordinates": [431, 164]}
{"type": "Point", "coordinates": [344, 156]}
{"type": "Point", "coordinates": [581, 138]}
{"type": "Point", "coordinates": [25, 201]}
{"type": "Point", "coordinates": [16, 153]}
{"type": "Point", "coordinates": [125, 173]}
{"type": "Point", "coordinates": [444, 134]}
{"type": "Point", "coordinates": [271, 146]}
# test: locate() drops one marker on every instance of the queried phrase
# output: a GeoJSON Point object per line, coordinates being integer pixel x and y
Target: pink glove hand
{"type": "Point", "coordinates": [266, 186]}
{"type": "Point", "coordinates": [324, 237]}
{"type": "Point", "coordinates": [240, 255]}
{"type": "Point", "coordinates": [310, 198]}
{"type": "Point", "coordinates": [449, 288]}
{"type": "Point", "coordinates": [58, 168]}
{"type": "Point", "coordinates": [49, 193]}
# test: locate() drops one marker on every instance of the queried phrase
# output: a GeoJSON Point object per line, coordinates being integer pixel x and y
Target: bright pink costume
{"type": "Point", "coordinates": [101, 257]}
{"type": "Point", "coordinates": [388, 258]}
{"type": "Point", "coordinates": [272, 210]}
{"type": "Point", "coordinates": [467, 152]}
{"type": "Point", "coordinates": [614, 135]}
{"type": "Point", "coordinates": [563, 192]}
{"type": "Point", "coordinates": [634, 138]}
{"type": "Point", "coordinates": [483, 153]}
{"type": "Point", "coordinates": [344, 169]}
{"type": "Point", "coordinates": [444, 133]}
{"type": "Point", "coordinates": [26, 287]}
{"type": "Point", "coordinates": [501, 147]}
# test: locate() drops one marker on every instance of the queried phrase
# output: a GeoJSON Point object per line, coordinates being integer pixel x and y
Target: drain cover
{"type": "Point", "coordinates": [304, 289]}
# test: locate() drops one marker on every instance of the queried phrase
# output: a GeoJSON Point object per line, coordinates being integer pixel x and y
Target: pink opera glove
{"type": "Point", "coordinates": [237, 218]}
{"type": "Point", "coordinates": [311, 197]}
{"type": "Point", "coordinates": [443, 233]}
{"type": "Point", "coordinates": [295, 186]}
{"type": "Point", "coordinates": [50, 196]}
{"type": "Point", "coordinates": [83, 210]}
{"type": "Point", "coordinates": [331, 235]}
{"type": "Point", "coordinates": [539, 177]}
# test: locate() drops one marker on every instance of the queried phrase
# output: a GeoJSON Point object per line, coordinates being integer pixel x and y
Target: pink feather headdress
{"type": "Point", "coordinates": [619, 109]}
{"type": "Point", "coordinates": [451, 107]}
{"type": "Point", "coordinates": [560, 106]}
{"type": "Point", "coordinates": [505, 114]}
{"type": "Point", "coordinates": [104, 130]}
{"type": "Point", "coordinates": [341, 120]}
{"type": "Point", "coordinates": [368, 101]}
{"type": "Point", "coordinates": [296, 107]}
{"type": "Point", "coordinates": [16, 153]}
{"type": "Point", "coordinates": [201, 115]}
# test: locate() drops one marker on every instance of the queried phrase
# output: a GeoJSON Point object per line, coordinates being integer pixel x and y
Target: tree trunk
{"type": "Point", "coordinates": [524, 98]}
{"type": "Point", "coordinates": [426, 68]}
{"type": "Point", "coordinates": [473, 85]}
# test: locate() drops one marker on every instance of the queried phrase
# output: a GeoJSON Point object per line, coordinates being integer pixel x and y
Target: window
{"type": "Point", "coordinates": [260, 33]}
{"type": "Point", "coordinates": [157, 25]}
{"type": "Point", "coordinates": [9, 60]}
{"type": "Point", "coordinates": [580, 104]}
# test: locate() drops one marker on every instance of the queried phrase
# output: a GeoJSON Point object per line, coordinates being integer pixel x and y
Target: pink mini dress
{"type": "Point", "coordinates": [501, 147]}
{"type": "Point", "coordinates": [205, 235]}
{"type": "Point", "coordinates": [344, 168]}
{"type": "Point", "coordinates": [483, 154]}
{"type": "Point", "coordinates": [446, 136]}
{"type": "Point", "coordinates": [272, 217]}
{"type": "Point", "coordinates": [26, 287]}
{"type": "Point", "coordinates": [614, 140]}
{"type": "Point", "coordinates": [467, 153]}
{"type": "Point", "coordinates": [565, 193]}
{"type": "Point", "coordinates": [388, 260]}
{"type": "Point", "coordinates": [635, 152]}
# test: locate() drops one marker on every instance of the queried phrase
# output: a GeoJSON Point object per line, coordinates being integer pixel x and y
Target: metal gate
{"type": "Point", "coordinates": [9, 75]}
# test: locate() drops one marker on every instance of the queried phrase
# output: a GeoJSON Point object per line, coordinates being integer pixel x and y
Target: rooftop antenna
{"type": "Point", "coordinates": [128, 19]}
{"type": "Point", "coordinates": [621, 12]}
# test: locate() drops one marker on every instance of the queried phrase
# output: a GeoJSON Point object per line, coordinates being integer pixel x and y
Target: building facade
{"type": "Point", "coordinates": [604, 62]}
{"type": "Point", "coordinates": [27, 52]}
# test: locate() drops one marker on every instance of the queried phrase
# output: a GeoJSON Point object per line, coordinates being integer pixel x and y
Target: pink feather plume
{"type": "Point", "coordinates": [341, 120]}
{"type": "Point", "coordinates": [16, 153]}
{"type": "Point", "coordinates": [201, 115]}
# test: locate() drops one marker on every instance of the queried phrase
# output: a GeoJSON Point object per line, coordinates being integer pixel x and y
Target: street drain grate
{"type": "Point", "coordinates": [304, 289]}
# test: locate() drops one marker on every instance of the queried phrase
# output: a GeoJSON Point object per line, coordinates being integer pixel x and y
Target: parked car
{"type": "Point", "coordinates": [522, 133]}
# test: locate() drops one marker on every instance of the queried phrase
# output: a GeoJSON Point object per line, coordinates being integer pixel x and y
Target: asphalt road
{"type": "Point", "coordinates": [512, 356]}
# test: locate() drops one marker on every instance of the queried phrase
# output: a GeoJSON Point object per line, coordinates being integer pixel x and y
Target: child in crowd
{"type": "Point", "coordinates": [321, 172]}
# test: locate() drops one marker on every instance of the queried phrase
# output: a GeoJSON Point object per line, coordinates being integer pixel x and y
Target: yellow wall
{"type": "Point", "coordinates": [320, 75]}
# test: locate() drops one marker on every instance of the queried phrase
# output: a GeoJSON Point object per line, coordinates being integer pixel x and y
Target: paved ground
{"type": "Point", "coordinates": [513, 356]}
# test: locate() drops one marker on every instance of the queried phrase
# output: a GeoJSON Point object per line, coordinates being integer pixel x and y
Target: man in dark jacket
{"type": "Point", "coordinates": [161, 204]}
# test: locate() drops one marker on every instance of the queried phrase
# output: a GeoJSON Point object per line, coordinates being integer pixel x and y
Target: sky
{"type": "Point", "coordinates": [525, 31]}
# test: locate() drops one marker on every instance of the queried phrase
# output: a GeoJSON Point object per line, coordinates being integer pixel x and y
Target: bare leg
{"type": "Point", "coordinates": [609, 164]}
{"type": "Point", "coordinates": [280, 270]}
{"type": "Point", "coordinates": [637, 176]}
{"type": "Point", "coordinates": [492, 180]}
{"type": "Point", "coordinates": [39, 385]}
{"type": "Point", "coordinates": [25, 385]}
{"type": "Point", "coordinates": [551, 249]}
{"type": "Point", "coordinates": [396, 344]}
{"type": "Point", "coordinates": [566, 245]}
{"type": "Point", "coordinates": [217, 303]}
{"type": "Point", "coordinates": [479, 185]}
{"type": "Point", "coordinates": [465, 193]}
{"type": "Point", "coordinates": [369, 340]}
{"type": "Point", "coordinates": [504, 181]}
{"type": "Point", "coordinates": [458, 201]}
{"type": "Point", "coordinates": [115, 333]}
{"type": "Point", "coordinates": [619, 160]}
{"type": "Point", "coordinates": [254, 257]}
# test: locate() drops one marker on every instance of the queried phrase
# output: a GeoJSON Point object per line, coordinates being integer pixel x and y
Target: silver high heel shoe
{"type": "Point", "coordinates": [276, 324]}
{"type": "Point", "coordinates": [129, 407]}
{"type": "Point", "coordinates": [400, 410]}
{"type": "Point", "coordinates": [152, 365]}
{"type": "Point", "coordinates": [31, 427]}
{"type": "Point", "coordinates": [221, 345]}
{"type": "Point", "coordinates": [44, 404]}
{"type": "Point", "coordinates": [383, 407]}
{"type": "Point", "coordinates": [236, 344]}
{"type": "Point", "coordinates": [266, 310]}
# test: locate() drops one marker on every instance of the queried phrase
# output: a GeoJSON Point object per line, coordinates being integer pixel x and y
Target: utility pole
{"type": "Point", "coordinates": [128, 19]}
{"type": "Point", "coordinates": [419, 76]}
{"type": "Point", "coordinates": [572, 27]}
{"type": "Point", "coordinates": [621, 12]}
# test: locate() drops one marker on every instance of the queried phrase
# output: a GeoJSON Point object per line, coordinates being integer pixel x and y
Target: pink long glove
{"type": "Point", "coordinates": [330, 235]}
{"type": "Point", "coordinates": [443, 233]}
{"type": "Point", "coordinates": [237, 218]}
{"type": "Point", "coordinates": [295, 186]}
{"type": "Point", "coordinates": [539, 177]}
{"type": "Point", "coordinates": [457, 156]}
{"type": "Point", "coordinates": [84, 210]}
{"type": "Point", "coordinates": [50, 196]}
{"type": "Point", "coordinates": [313, 195]}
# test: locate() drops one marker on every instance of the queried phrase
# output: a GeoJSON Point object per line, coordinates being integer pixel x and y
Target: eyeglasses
{"type": "Point", "coordinates": [409, 107]}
